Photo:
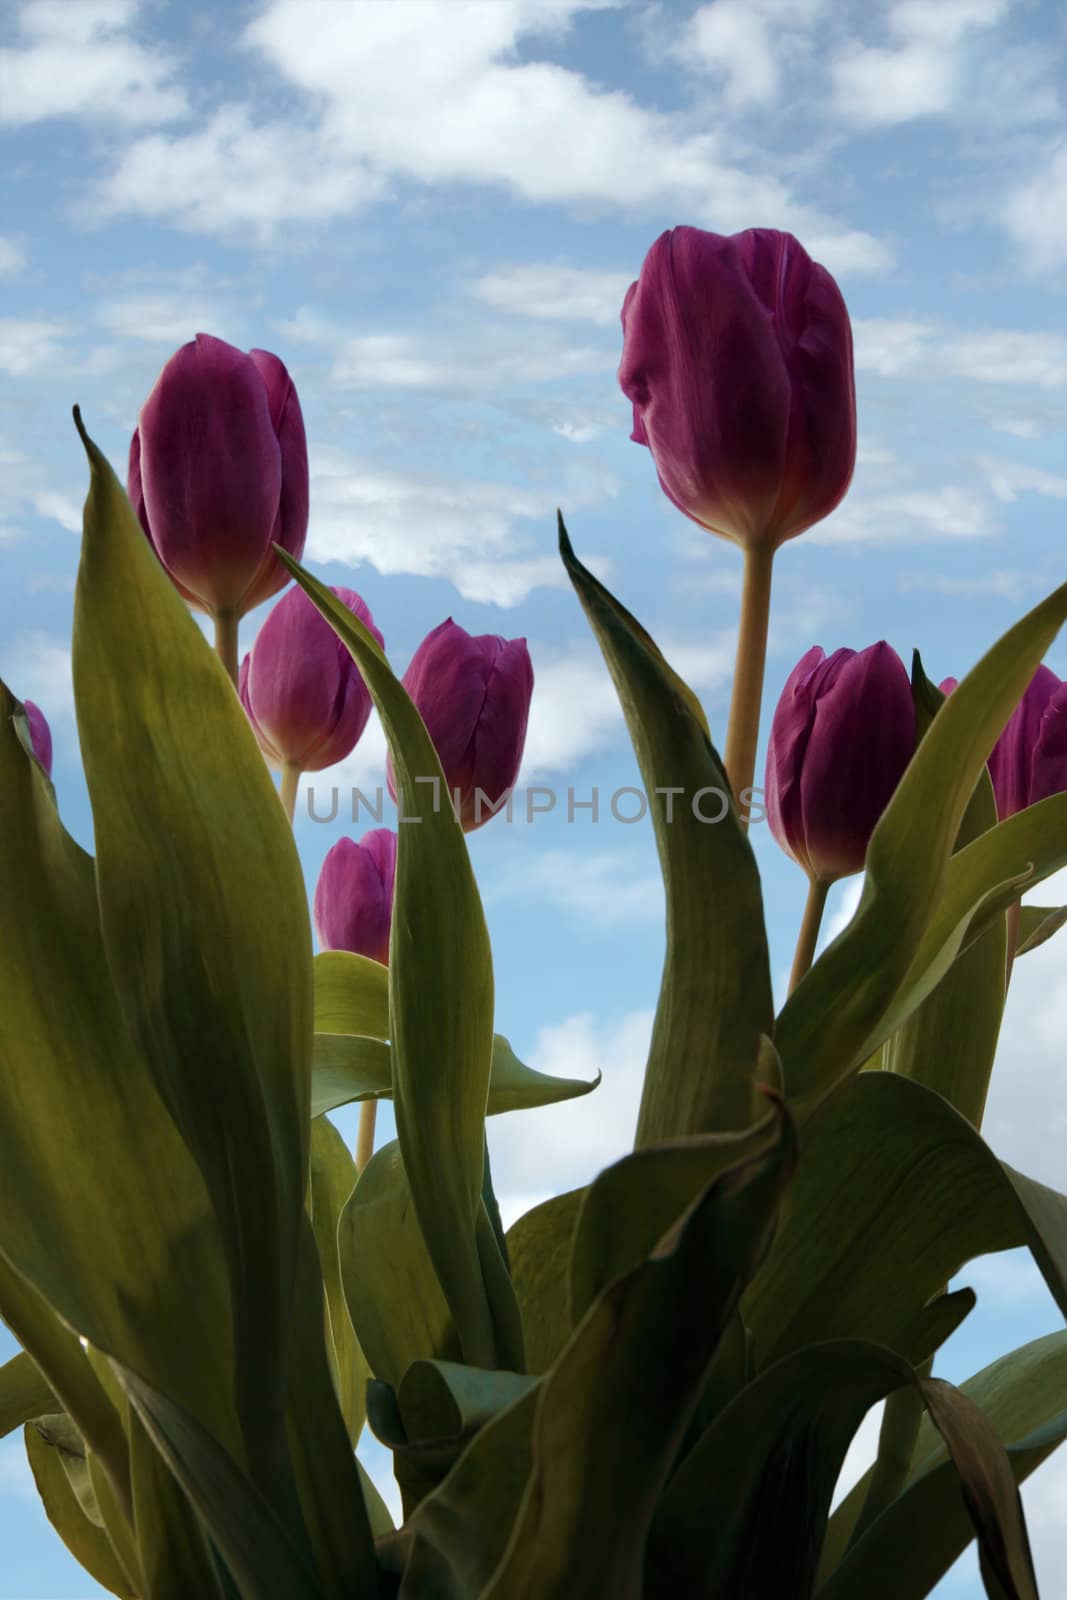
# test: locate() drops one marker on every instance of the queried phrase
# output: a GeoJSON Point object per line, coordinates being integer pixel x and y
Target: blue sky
{"type": "Point", "coordinates": [431, 210]}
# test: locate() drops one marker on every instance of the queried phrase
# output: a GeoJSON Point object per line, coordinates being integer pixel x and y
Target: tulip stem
{"type": "Point", "coordinates": [368, 1113]}
{"type": "Point", "coordinates": [290, 784]}
{"type": "Point", "coordinates": [809, 930]}
{"type": "Point", "coordinates": [742, 735]}
{"type": "Point", "coordinates": [226, 625]}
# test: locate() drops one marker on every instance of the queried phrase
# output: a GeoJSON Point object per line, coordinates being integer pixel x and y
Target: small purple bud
{"type": "Point", "coordinates": [218, 473]}
{"type": "Point", "coordinates": [40, 734]}
{"type": "Point", "coordinates": [842, 735]}
{"type": "Point", "coordinates": [354, 895]}
{"type": "Point", "coordinates": [303, 693]}
{"type": "Point", "coordinates": [473, 693]}
{"type": "Point", "coordinates": [737, 358]}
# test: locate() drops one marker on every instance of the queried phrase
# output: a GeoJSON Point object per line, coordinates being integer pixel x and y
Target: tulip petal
{"type": "Point", "coordinates": [211, 470]}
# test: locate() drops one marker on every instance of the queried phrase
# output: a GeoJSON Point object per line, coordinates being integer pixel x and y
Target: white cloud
{"type": "Point", "coordinates": [893, 347]}
{"type": "Point", "coordinates": [79, 60]}
{"type": "Point", "coordinates": [575, 711]}
{"type": "Point", "coordinates": [465, 530]}
{"type": "Point", "coordinates": [735, 40]}
{"type": "Point", "coordinates": [1009, 479]}
{"type": "Point", "coordinates": [890, 346]}
{"type": "Point", "coordinates": [1018, 427]}
{"type": "Point", "coordinates": [542, 133]}
{"type": "Point", "coordinates": [555, 1148]}
{"type": "Point", "coordinates": [162, 316]}
{"type": "Point", "coordinates": [923, 73]}
{"type": "Point", "coordinates": [599, 889]}
{"type": "Point", "coordinates": [476, 359]}
{"type": "Point", "coordinates": [1014, 586]}
{"type": "Point", "coordinates": [26, 483]}
{"type": "Point", "coordinates": [1007, 356]}
{"type": "Point", "coordinates": [1032, 213]}
{"type": "Point", "coordinates": [235, 176]}
{"type": "Point", "coordinates": [1026, 1114]}
{"type": "Point", "coordinates": [12, 256]}
{"type": "Point", "coordinates": [555, 292]}
{"type": "Point", "coordinates": [906, 517]}
{"type": "Point", "coordinates": [29, 344]}
{"type": "Point", "coordinates": [37, 668]}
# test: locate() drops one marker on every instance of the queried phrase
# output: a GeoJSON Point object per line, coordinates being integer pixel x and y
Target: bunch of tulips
{"type": "Point", "coordinates": [647, 1386]}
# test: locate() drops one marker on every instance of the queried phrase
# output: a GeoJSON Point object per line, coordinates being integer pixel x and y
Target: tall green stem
{"type": "Point", "coordinates": [368, 1113]}
{"type": "Point", "coordinates": [742, 734]}
{"type": "Point", "coordinates": [808, 936]}
{"type": "Point", "coordinates": [290, 785]}
{"type": "Point", "coordinates": [896, 1446]}
{"type": "Point", "coordinates": [226, 625]}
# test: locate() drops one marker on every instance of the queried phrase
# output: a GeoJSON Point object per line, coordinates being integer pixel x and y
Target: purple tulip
{"type": "Point", "coordinates": [40, 734]}
{"type": "Point", "coordinates": [842, 735]}
{"type": "Point", "coordinates": [302, 690]}
{"type": "Point", "coordinates": [737, 356]}
{"type": "Point", "coordinates": [473, 694]}
{"type": "Point", "coordinates": [354, 895]}
{"type": "Point", "coordinates": [1029, 760]}
{"type": "Point", "coordinates": [218, 473]}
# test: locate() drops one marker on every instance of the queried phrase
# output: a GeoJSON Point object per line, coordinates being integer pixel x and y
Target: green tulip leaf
{"type": "Point", "coordinates": [614, 1409]}
{"type": "Point", "coordinates": [84, 1538]}
{"type": "Point", "coordinates": [351, 994]}
{"type": "Point", "coordinates": [175, 1556]}
{"type": "Point", "coordinates": [827, 1026]}
{"type": "Point", "coordinates": [327, 1480]}
{"type": "Point", "coordinates": [904, 1553]}
{"type": "Point", "coordinates": [632, 1203]}
{"type": "Point", "coordinates": [771, 1459]}
{"type": "Point", "coordinates": [205, 923]}
{"type": "Point", "coordinates": [949, 1042]}
{"type": "Point", "coordinates": [333, 1178]}
{"type": "Point", "coordinates": [140, 1273]}
{"type": "Point", "coordinates": [981, 882]}
{"type": "Point", "coordinates": [1036, 924]}
{"type": "Point", "coordinates": [394, 1299]}
{"type": "Point", "coordinates": [914, 1194]}
{"type": "Point", "coordinates": [256, 1546]}
{"type": "Point", "coordinates": [347, 1067]}
{"type": "Point", "coordinates": [24, 1393]}
{"type": "Point", "coordinates": [440, 996]}
{"type": "Point", "coordinates": [442, 1400]}
{"type": "Point", "coordinates": [457, 1537]}
{"type": "Point", "coordinates": [539, 1249]}
{"type": "Point", "coordinates": [715, 998]}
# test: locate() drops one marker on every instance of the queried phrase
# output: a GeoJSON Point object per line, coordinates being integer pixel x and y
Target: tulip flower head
{"type": "Point", "coordinates": [842, 735]}
{"type": "Point", "coordinates": [303, 693]}
{"type": "Point", "coordinates": [353, 904]}
{"type": "Point", "coordinates": [473, 693]}
{"type": "Point", "coordinates": [1029, 760]}
{"type": "Point", "coordinates": [218, 473]}
{"type": "Point", "coordinates": [40, 735]}
{"type": "Point", "coordinates": [737, 357]}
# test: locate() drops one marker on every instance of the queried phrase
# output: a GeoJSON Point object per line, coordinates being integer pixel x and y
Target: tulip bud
{"type": "Point", "coordinates": [473, 694]}
{"type": "Point", "coordinates": [40, 735]}
{"type": "Point", "coordinates": [302, 690]}
{"type": "Point", "coordinates": [1029, 760]}
{"type": "Point", "coordinates": [354, 895]}
{"type": "Point", "coordinates": [737, 356]}
{"type": "Point", "coordinates": [218, 473]}
{"type": "Point", "coordinates": [842, 735]}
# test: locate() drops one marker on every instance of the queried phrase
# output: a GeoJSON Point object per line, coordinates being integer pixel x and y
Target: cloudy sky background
{"type": "Point", "coordinates": [431, 210]}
